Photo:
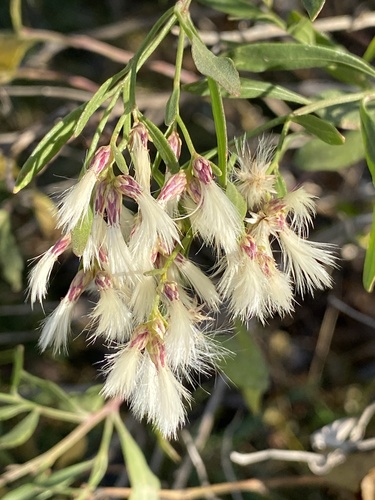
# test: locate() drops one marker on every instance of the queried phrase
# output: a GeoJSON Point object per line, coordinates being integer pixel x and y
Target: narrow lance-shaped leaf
{"type": "Point", "coordinates": [220, 128]}
{"type": "Point", "coordinates": [20, 432]}
{"type": "Point", "coordinates": [161, 145]}
{"type": "Point", "coordinates": [369, 266]}
{"type": "Point", "coordinates": [243, 9]}
{"type": "Point", "coordinates": [321, 128]}
{"type": "Point", "coordinates": [81, 233]}
{"type": "Point", "coordinates": [145, 485]}
{"type": "Point", "coordinates": [47, 148]}
{"type": "Point", "coordinates": [237, 199]}
{"type": "Point", "coordinates": [259, 57]}
{"type": "Point", "coordinates": [316, 155]}
{"type": "Point", "coordinates": [368, 136]}
{"type": "Point", "coordinates": [313, 7]}
{"type": "Point", "coordinates": [220, 69]}
{"type": "Point", "coordinates": [106, 90]}
{"type": "Point", "coordinates": [171, 109]}
{"type": "Point", "coordinates": [251, 89]}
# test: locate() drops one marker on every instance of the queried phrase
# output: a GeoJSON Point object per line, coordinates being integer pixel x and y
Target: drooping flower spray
{"type": "Point", "coordinates": [135, 214]}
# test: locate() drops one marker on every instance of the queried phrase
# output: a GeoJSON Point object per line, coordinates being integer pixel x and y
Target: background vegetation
{"type": "Point", "coordinates": [289, 378]}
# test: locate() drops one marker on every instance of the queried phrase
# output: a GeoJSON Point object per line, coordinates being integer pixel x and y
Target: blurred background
{"type": "Point", "coordinates": [290, 377]}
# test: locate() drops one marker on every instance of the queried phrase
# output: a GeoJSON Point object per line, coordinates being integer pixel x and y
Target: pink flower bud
{"type": "Point", "coordinates": [171, 291]}
{"type": "Point", "coordinates": [128, 186]}
{"type": "Point", "coordinates": [113, 204]}
{"type": "Point", "coordinates": [138, 136]}
{"type": "Point", "coordinates": [202, 169]}
{"type": "Point", "coordinates": [175, 143]}
{"type": "Point", "coordinates": [101, 160]}
{"type": "Point", "coordinates": [140, 338]}
{"type": "Point", "coordinates": [103, 281]}
{"type": "Point", "coordinates": [99, 200]}
{"type": "Point", "coordinates": [61, 245]}
{"type": "Point", "coordinates": [195, 190]}
{"type": "Point", "coordinates": [77, 286]}
{"type": "Point", "coordinates": [249, 246]}
{"type": "Point", "coordinates": [174, 187]}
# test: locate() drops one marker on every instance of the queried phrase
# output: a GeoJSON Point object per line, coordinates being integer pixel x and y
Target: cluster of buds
{"type": "Point", "coordinates": [154, 304]}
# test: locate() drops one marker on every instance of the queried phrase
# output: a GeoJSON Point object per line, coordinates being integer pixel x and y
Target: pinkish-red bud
{"type": "Point", "coordinates": [202, 169]}
{"type": "Point", "coordinates": [78, 285]}
{"type": "Point", "coordinates": [138, 135]}
{"type": "Point", "coordinates": [61, 245]}
{"type": "Point", "coordinates": [101, 160]}
{"type": "Point", "coordinates": [171, 291]}
{"type": "Point", "coordinates": [103, 281]}
{"type": "Point", "coordinates": [174, 187]}
{"type": "Point", "coordinates": [175, 143]}
{"type": "Point", "coordinates": [249, 246]}
{"type": "Point", "coordinates": [113, 205]}
{"type": "Point", "coordinates": [128, 186]}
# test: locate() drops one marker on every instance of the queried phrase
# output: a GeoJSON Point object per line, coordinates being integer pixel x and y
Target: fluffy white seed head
{"type": "Point", "coordinates": [215, 218]}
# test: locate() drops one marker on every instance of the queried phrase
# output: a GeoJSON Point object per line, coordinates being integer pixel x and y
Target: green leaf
{"type": "Point", "coordinates": [7, 412]}
{"type": "Point", "coordinates": [313, 7]}
{"type": "Point", "coordinates": [321, 128]}
{"type": "Point", "coordinates": [67, 474]}
{"type": "Point", "coordinates": [161, 145]}
{"type": "Point", "coordinates": [220, 129]}
{"type": "Point", "coordinates": [247, 369]}
{"type": "Point", "coordinates": [237, 199]}
{"type": "Point", "coordinates": [11, 262]}
{"type": "Point", "coordinates": [343, 115]}
{"type": "Point", "coordinates": [21, 432]}
{"type": "Point", "coordinates": [369, 266]}
{"type": "Point", "coordinates": [145, 485]}
{"type": "Point", "coordinates": [316, 155]}
{"type": "Point", "coordinates": [251, 89]}
{"type": "Point", "coordinates": [301, 29]}
{"type": "Point", "coordinates": [119, 159]}
{"type": "Point", "coordinates": [81, 233]}
{"type": "Point", "coordinates": [107, 90]}
{"type": "Point", "coordinates": [259, 57]}
{"type": "Point", "coordinates": [368, 135]}
{"type": "Point", "coordinates": [48, 147]}
{"type": "Point", "coordinates": [171, 109]}
{"type": "Point", "coordinates": [369, 54]}
{"type": "Point", "coordinates": [220, 69]}
{"type": "Point", "coordinates": [242, 9]}
{"type": "Point", "coordinates": [24, 492]}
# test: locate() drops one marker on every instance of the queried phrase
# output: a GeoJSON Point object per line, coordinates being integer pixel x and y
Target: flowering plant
{"type": "Point", "coordinates": [153, 303]}
{"type": "Point", "coordinates": [147, 196]}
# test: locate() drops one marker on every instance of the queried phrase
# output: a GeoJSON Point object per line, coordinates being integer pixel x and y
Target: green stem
{"type": "Point", "coordinates": [274, 165]}
{"type": "Point", "coordinates": [15, 9]}
{"type": "Point", "coordinates": [48, 458]}
{"type": "Point", "coordinates": [186, 135]}
{"type": "Point", "coordinates": [179, 58]}
{"type": "Point", "coordinates": [53, 389]}
{"type": "Point", "coordinates": [17, 369]}
{"type": "Point", "coordinates": [99, 130]}
{"type": "Point", "coordinates": [333, 101]}
{"type": "Point", "coordinates": [151, 42]}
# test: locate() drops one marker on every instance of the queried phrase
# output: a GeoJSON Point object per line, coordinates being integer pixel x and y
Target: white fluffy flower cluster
{"type": "Point", "coordinates": [153, 303]}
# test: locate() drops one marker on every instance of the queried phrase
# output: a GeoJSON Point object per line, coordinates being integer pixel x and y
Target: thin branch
{"type": "Point", "coordinates": [40, 463]}
{"type": "Point", "coordinates": [269, 31]}
{"type": "Point", "coordinates": [204, 430]}
{"type": "Point", "coordinates": [196, 459]}
{"type": "Point", "coordinates": [116, 54]}
{"type": "Point", "coordinates": [323, 344]}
